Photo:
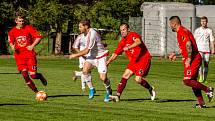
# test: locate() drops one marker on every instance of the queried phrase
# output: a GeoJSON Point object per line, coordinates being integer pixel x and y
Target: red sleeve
{"type": "Point", "coordinates": [184, 38]}
{"type": "Point", "coordinates": [11, 38]}
{"type": "Point", "coordinates": [135, 35]}
{"type": "Point", "coordinates": [119, 49]}
{"type": "Point", "coordinates": [34, 33]}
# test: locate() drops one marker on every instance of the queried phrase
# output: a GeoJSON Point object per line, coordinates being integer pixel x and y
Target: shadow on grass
{"type": "Point", "coordinates": [173, 100]}
{"type": "Point", "coordinates": [135, 100]}
{"type": "Point", "coordinates": [9, 73]}
{"type": "Point", "coordinates": [10, 104]}
{"type": "Point", "coordinates": [56, 96]}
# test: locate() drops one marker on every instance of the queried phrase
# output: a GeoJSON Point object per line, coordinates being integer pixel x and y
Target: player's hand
{"type": "Point", "coordinates": [13, 47]}
{"type": "Point", "coordinates": [126, 48]}
{"type": "Point", "coordinates": [172, 56]}
{"type": "Point", "coordinates": [187, 62]}
{"type": "Point", "coordinates": [30, 47]}
{"type": "Point", "coordinates": [212, 52]}
{"type": "Point", "coordinates": [107, 63]}
{"type": "Point", "coordinates": [72, 56]}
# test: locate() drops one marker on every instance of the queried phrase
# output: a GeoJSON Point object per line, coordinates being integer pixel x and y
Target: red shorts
{"type": "Point", "coordinates": [26, 63]}
{"type": "Point", "coordinates": [140, 68]}
{"type": "Point", "coordinates": [192, 71]}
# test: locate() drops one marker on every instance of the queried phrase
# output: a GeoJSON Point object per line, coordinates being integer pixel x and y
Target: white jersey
{"type": "Point", "coordinates": [203, 37]}
{"type": "Point", "coordinates": [91, 41]}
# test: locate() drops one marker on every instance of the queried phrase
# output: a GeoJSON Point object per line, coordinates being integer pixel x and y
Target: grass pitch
{"type": "Point", "coordinates": [66, 101]}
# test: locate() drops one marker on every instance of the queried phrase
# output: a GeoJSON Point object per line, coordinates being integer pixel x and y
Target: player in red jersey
{"type": "Point", "coordinates": [139, 60]}
{"type": "Point", "coordinates": [22, 39]}
{"type": "Point", "coordinates": [191, 60]}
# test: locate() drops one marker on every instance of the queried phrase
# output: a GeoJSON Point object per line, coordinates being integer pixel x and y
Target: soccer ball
{"type": "Point", "coordinates": [41, 96]}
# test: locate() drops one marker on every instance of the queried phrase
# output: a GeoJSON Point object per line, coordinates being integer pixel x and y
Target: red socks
{"type": "Point", "coordinates": [29, 82]}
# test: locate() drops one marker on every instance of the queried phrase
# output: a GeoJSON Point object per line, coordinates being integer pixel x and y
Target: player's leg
{"type": "Point", "coordinates": [102, 69]}
{"type": "Point", "coordinates": [77, 74]}
{"type": "Point", "coordinates": [88, 78]}
{"type": "Point", "coordinates": [200, 100]}
{"type": "Point", "coordinates": [32, 68]}
{"type": "Point", "coordinates": [22, 67]}
{"type": "Point", "coordinates": [141, 71]}
{"type": "Point", "coordinates": [143, 82]}
{"type": "Point", "coordinates": [190, 78]}
{"type": "Point", "coordinates": [206, 63]}
{"type": "Point", "coordinates": [201, 68]}
{"type": "Point", "coordinates": [122, 84]}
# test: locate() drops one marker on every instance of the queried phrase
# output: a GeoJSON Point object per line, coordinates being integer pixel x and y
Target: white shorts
{"type": "Point", "coordinates": [81, 62]}
{"type": "Point", "coordinates": [100, 64]}
{"type": "Point", "coordinates": [205, 56]}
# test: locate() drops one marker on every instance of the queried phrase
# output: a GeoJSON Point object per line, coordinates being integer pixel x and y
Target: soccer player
{"type": "Point", "coordinates": [139, 57]}
{"type": "Point", "coordinates": [95, 55]}
{"type": "Point", "coordinates": [22, 39]}
{"type": "Point", "coordinates": [78, 46]}
{"type": "Point", "coordinates": [205, 43]}
{"type": "Point", "coordinates": [191, 61]}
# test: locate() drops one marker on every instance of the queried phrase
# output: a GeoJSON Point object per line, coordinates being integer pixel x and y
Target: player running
{"type": "Point", "coordinates": [22, 39]}
{"type": "Point", "coordinates": [205, 43]}
{"type": "Point", "coordinates": [191, 61]}
{"type": "Point", "coordinates": [79, 45]}
{"type": "Point", "coordinates": [95, 55]}
{"type": "Point", "coordinates": [139, 57]}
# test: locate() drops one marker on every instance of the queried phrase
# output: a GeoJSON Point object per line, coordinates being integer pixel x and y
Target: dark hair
{"type": "Point", "coordinates": [175, 18]}
{"type": "Point", "coordinates": [126, 25]}
{"type": "Point", "coordinates": [85, 22]}
{"type": "Point", "coordinates": [20, 15]}
{"type": "Point", "coordinates": [204, 17]}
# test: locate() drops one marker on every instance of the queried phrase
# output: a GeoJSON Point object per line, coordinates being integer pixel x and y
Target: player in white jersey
{"type": "Point", "coordinates": [205, 43]}
{"type": "Point", "coordinates": [95, 54]}
{"type": "Point", "coordinates": [78, 46]}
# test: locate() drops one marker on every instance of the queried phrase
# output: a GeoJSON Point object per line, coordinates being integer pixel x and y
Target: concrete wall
{"type": "Point", "coordinates": [156, 33]}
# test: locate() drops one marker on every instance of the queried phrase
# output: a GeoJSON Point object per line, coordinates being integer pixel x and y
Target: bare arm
{"type": "Point", "coordinates": [137, 42]}
{"type": "Point", "coordinates": [113, 57]}
{"type": "Point", "coordinates": [212, 43]}
{"type": "Point", "coordinates": [189, 50]}
{"type": "Point", "coordinates": [31, 47]}
{"type": "Point", "coordinates": [80, 53]}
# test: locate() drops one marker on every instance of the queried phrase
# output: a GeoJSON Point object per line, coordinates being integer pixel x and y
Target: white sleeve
{"type": "Point", "coordinates": [90, 39]}
{"type": "Point", "coordinates": [211, 35]}
{"type": "Point", "coordinates": [194, 34]}
{"type": "Point", "coordinates": [76, 42]}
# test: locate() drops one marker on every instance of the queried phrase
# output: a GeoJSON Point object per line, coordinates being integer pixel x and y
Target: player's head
{"type": "Point", "coordinates": [20, 20]}
{"type": "Point", "coordinates": [124, 29]}
{"type": "Point", "coordinates": [174, 23]}
{"type": "Point", "coordinates": [204, 21]}
{"type": "Point", "coordinates": [84, 25]}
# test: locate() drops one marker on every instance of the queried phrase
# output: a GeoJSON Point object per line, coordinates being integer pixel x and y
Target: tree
{"type": "Point", "coordinates": [53, 14]}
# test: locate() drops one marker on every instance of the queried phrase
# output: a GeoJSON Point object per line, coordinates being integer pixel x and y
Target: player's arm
{"type": "Point", "coordinates": [36, 35]}
{"type": "Point", "coordinates": [137, 42]}
{"type": "Point", "coordinates": [80, 53]}
{"type": "Point", "coordinates": [36, 41]}
{"type": "Point", "coordinates": [11, 41]}
{"type": "Point", "coordinates": [90, 43]}
{"type": "Point", "coordinates": [212, 43]}
{"type": "Point", "coordinates": [189, 51]}
{"type": "Point", "coordinates": [113, 57]}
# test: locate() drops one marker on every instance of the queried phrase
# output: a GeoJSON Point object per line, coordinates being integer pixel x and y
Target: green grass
{"type": "Point", "coordinates": [66, 103]}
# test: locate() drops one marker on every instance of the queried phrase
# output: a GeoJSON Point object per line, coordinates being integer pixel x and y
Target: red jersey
{"type": "Point", "coordinates": [22, 38]}
{"type": "Point", "coordinates": [183, 36]}
{"type": "Point", "coordinates": [136, 53]}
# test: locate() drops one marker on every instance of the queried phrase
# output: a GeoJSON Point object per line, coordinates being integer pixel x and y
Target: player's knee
{"type": "Point", "coordinates": [186, 81]}
{"type": "Point", "coordinates": [33, 76]}
{"type": "Point", "coordinates": [103, 78]}
{"type": "Point", "coordinates": [138, 79]}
